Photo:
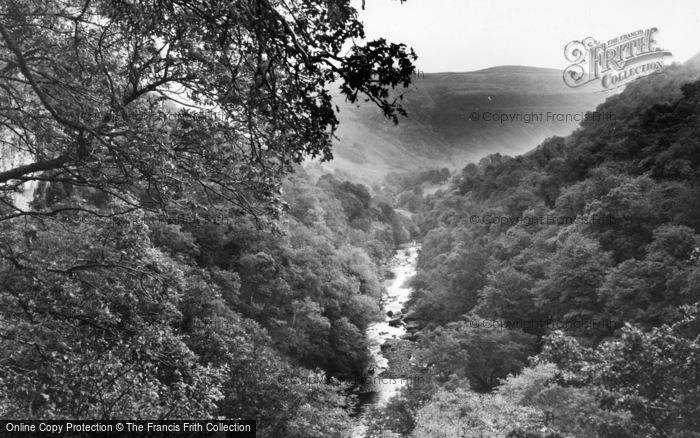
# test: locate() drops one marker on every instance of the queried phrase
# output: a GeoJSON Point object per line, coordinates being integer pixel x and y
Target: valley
{"type": "Point", "coordinates": [438, 131]}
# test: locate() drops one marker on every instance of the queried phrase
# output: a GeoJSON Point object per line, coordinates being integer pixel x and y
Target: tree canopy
{"type": "Point", "coordinates": [556, 292]}
{"type": "Point", "coordinates": [116, 110]}
{"type": "Point", "coordinates": [161, 103]}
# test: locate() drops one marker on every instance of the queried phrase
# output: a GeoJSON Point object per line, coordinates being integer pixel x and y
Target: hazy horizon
{"type": "Point", "coordinates": [452, 36]}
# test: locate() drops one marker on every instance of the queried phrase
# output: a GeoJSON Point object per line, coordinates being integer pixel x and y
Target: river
{"type": "Point", "coordinates": [403, 267]}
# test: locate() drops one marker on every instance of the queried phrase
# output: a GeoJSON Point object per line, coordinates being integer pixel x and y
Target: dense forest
{"type": "Point", "coordinates": [240, 322]}
{"type": "Point", "coordinates": [173, 259]}
{"type": "Point", "coordinates": [557, 292]}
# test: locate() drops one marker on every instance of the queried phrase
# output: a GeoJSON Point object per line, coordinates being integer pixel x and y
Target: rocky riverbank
{"type": "Point", "coordinates": [381, 384]}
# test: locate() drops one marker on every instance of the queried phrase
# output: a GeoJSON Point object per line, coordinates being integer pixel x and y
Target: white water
{"type": "Point", "coordinates": [10, 159]}
{"type": "Point", "coordinates": [403, 266]}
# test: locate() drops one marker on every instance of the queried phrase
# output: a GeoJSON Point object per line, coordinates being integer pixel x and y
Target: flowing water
{"type": "Point", "coordinates": [383, 388]}
{"type": "Point", "coordinates": [10, 159]}
{"type": "Point", "coordinates": [403, 267]}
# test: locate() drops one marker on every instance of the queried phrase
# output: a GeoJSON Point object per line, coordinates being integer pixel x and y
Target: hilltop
{"type": "Point", "coordinates": [439, 131]}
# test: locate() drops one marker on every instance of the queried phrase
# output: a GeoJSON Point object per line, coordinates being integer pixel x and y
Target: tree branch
{"type": "Point", "coordinates": [39, 166]}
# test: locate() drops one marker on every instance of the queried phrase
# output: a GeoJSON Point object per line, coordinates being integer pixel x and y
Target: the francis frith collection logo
{"type": "Point", "coordinates": [615, 62]}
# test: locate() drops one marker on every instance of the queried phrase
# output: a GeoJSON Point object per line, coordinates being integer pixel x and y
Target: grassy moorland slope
{"type": "Point", "coordinates": [439, 131]}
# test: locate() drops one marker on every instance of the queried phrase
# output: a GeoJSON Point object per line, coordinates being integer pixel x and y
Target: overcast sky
{"type": "Point", "coordinates": [467, 35]}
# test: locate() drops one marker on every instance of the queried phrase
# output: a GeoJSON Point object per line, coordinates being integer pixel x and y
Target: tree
{"type": "Point", "coordinates": [569, 291]}
{"type": "Point", "coordinates": [645, 382]}
{"type": "Point", "coordinates": [464, 413]}
{"type": "Point", "coordinates": [507, 295]}
{"type": "Point", "coordinates": [176, 102]}
{"type": "Point", "coordinates": [623, 220]}
{"type": "Point", "coordinates": [89, 327]}
{"type": "Point", "coordinates": [654, 375]}
{"type": "Point", "coordinates": [474, 349]}
{"type": "Point", "coordinates": [650, 291]}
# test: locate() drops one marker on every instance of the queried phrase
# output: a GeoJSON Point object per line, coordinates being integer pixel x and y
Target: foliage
{"type": "Point", "coordinates": [251, 307]}
{"type": "Point", "coordinates": [595, 235]}
{"type": "Point", "coordinates": [172, 102]}
{"type": "Point", "coordinates": [473, 350]}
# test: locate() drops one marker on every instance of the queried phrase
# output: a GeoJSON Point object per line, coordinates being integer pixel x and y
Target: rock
{"type": "Point", "coordinates": [413, 326]}
{"type": "Point", "coordinates": [408, 316]}
{"type": "Point", "coordinates": [396, 322]}
{"type": "Point", "coordinates": [410, 337]}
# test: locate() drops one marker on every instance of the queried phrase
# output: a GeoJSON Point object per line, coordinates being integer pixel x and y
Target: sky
{"type": "Point", "coordinates": [468, 35]}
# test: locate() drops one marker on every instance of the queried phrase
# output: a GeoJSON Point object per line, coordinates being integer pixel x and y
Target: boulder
{"type": "Point", "coordinates": [413, 337]}
{"type": "Point", "coordinates": [410, 316]}
{"type": "Point", "coordinates": [413, 326]}
{"type": "Point", "coordinates": [396, 322]}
